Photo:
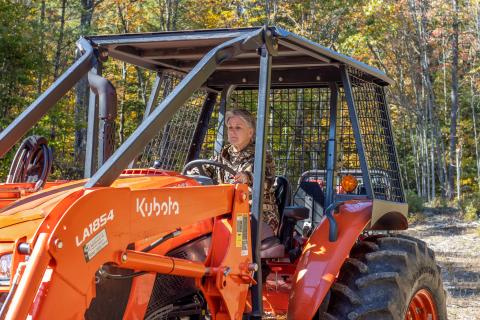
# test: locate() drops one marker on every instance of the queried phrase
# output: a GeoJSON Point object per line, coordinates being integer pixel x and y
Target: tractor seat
{"type": "Point", "coordinates": [272, 246]}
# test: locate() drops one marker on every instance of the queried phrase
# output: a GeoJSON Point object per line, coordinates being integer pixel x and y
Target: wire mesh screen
{"type": "Point", "coordinates": [377, 135]}
{"type": "Point", "coordinates": [348, 161]}
{"type": "Point", "coordinates": [170, 146]}
{"type": "Point", "coordinates": [298, 126]}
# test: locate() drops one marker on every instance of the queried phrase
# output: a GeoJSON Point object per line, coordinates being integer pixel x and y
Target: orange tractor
{"type": "Point", "coordinates": [139, 238]}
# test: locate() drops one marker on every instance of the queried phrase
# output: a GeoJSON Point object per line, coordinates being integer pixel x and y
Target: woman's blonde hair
{"type": "Point", "coordinates": [242, 113]}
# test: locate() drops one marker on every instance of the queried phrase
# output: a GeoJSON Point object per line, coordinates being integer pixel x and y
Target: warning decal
{"type": "Point", "coordinates": [94, 246]}
{"type": "Point", "coordinates": [241, 237]}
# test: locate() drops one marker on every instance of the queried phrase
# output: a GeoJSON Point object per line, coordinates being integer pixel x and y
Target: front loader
{"type": "Point", "coordinates": [141, 238]}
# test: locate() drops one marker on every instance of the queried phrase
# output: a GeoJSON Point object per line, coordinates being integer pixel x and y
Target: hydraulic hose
{"type": "Point", "coordinates": [32, 162]}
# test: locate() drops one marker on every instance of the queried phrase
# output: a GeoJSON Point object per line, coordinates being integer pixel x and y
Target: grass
{"type": "Point", "coordinates": [414, 217]}
{"type": "Point", "coordinates": [470, 212]}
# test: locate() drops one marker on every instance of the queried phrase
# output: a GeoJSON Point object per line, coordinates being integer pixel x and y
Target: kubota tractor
{"type": "Point", "coordinates": [139, 238]}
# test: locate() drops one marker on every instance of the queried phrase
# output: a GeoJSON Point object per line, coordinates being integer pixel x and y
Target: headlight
{"type": "Point", "coordinates": [5, 269]}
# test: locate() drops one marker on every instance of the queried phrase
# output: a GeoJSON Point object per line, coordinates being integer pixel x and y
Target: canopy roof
{"type": "Point", "coordinates": [298, 63]}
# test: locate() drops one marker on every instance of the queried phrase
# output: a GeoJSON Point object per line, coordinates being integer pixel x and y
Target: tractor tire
{"type": "Point", "coordinates": [388, 277]}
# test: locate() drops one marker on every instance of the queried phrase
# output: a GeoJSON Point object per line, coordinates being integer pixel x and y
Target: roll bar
{"type": "Point", "coordinates": [20, 126]}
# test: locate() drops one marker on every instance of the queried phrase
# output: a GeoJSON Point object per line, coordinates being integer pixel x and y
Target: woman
{"type": "Point", "coordinates": [239, 155]}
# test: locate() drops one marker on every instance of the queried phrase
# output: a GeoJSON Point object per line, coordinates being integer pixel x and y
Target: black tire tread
{"type": "Point", "coordinates": [348, 293]}
{"type": "Point", "coordinates": [328, 316]}
{"type": "Point", "coordinates": [376, 278]}
{"type": "Point", "coordinates": [381, 275]}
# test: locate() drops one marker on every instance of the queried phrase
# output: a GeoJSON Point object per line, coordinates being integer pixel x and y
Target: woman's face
{"type": "Point", "coordinates": [239, 133]}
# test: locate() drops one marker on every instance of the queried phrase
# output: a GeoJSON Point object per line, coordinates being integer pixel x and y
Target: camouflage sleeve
{"type": "Point", "coordinates": [248, 170]}
{"type": "Point", "coordinates": [211, 171]}
{"type": "Point", "coordinates": [269, 171]}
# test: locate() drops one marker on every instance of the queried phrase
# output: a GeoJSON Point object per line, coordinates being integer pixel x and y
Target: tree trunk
{"type": "Point", "coordinates": [454, 111]}
{"type": "Point", "coordinates": [444, 69]}
{"type": "Point", "coordinates": [459, 168]}
{"type": "Point", "coordinates": [475, 135]}
{"type": "Point", "coordinates": [121, 129]}
{"type": "Point", "coordinates": [58, 50]}
{"type": "Point", "coordinates": [416, 162]}
{"type": "Point", "coordinates": [141, 81]}
{"type": "Point", "coordinates": [42, 46]}
{"type": "Point", "coordinates": [420, 24]}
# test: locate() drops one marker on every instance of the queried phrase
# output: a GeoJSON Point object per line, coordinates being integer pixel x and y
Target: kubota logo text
{"type": "Point", "coordinates": [94, 226]}
{"type": "Point", "coordinates": [154, 207]}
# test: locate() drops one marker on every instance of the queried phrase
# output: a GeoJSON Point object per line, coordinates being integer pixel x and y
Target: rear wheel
{"type": "Point", "coordinates": [388, 277]}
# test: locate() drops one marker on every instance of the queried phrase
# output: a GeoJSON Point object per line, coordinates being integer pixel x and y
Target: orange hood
{"type": "Point", "coordinates": [34, 208]}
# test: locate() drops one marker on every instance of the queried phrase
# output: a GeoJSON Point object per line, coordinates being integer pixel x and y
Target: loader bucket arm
{"type": "Point", "coordinates": [65, 259]}
{"type": "Point", "coordinates": [47, 100]}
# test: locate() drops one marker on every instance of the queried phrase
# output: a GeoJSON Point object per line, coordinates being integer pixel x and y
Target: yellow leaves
{"type": "Point", "coordinates": [373, 6]}
{"type": "Point", "coordinates": [218, 19]}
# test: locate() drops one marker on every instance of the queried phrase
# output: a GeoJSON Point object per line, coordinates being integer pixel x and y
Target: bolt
{"type": "Point", "coordinates": [244, 196]}
{"type": "Point", "coordinates": [318, 78]}
{"type": "Point", "coordinates": [58, 243]}
{"type": "Point", "coordinates": [226, 271]}
{"type": "Point", "coordinates": [244, 80]}
{"type": "Point", "coordinates": [275, 44]}
{"type": "Point", "coordinates": [280, 79]}
{"type": "Point", "coordinates": [124, 257]}
{"type": "Point", "coordinates": [253, 267]}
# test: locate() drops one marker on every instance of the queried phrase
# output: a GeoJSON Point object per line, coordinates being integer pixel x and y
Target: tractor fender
{"type": "Point", "coordinates": [321, 260]}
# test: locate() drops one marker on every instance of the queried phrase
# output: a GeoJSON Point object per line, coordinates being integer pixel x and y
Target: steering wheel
{"type": "Point", "coordinates": [199, 165]}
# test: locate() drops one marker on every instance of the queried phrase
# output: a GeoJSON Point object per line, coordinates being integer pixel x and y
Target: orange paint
{"type": "Point", "coordinates": [30, 281]}
{"type": "Point", "coordinates": [138, 214]}
{"type": "Point", "coordinates": [161, 264]}
{"type": "Point", "coordinates": [141, 207]}
{"type": "Point", "coordinates": [321, 259]}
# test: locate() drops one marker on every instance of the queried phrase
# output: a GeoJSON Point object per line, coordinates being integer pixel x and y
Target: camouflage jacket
{"type": "Point", "coordinates": [242, 161]}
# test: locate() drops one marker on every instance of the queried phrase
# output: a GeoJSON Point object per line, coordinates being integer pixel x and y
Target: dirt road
{"type": "Point", "coordinates": [457, 247]}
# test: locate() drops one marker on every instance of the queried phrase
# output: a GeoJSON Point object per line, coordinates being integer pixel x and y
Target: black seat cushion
{"type": "Point", "coordinates": [310, 195]}
{"type": "Point", "coordinates": [282, 193]}
{"type": "Point", "coordinates": [269, 242]}
{"type": "Point", "coordinates": [270, 246]}
{"type": "Point", "coordinates": [298, 213]}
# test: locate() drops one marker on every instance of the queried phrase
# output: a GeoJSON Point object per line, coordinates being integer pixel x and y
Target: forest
{"type": "Point", "coordinates": [431, 48]}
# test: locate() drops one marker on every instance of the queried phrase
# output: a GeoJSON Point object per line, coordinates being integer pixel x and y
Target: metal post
{"type": "Point", "coordinates": [107, 112]}
{"type": "Point", "coordinates": [151, 102]}
{"type": "Point", "coordinates": [259, 174]}
{"type": "Point", "coordinates": [92, 127]}
{"type": "Point", "coordinates": [202, 126]}
{"type": "Point", "coordinates": [352, 112]}
{"type": "Point", "coordinates": [153, 95]}
{"type": "Point", "coordinates": [226, 92]}
{"type": "Point", "coordinates": [331, 147]}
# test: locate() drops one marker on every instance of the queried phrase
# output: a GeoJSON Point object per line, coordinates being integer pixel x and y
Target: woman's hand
{"type": "Point", "coordinates": [241, 177]}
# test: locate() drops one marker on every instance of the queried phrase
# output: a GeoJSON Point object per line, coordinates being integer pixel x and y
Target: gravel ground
{"type": "Point", "coordinates": [457, 247]}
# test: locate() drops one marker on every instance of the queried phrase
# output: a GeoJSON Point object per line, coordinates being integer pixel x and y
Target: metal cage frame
{"type": "Point", "coordinates": [218, 61]}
